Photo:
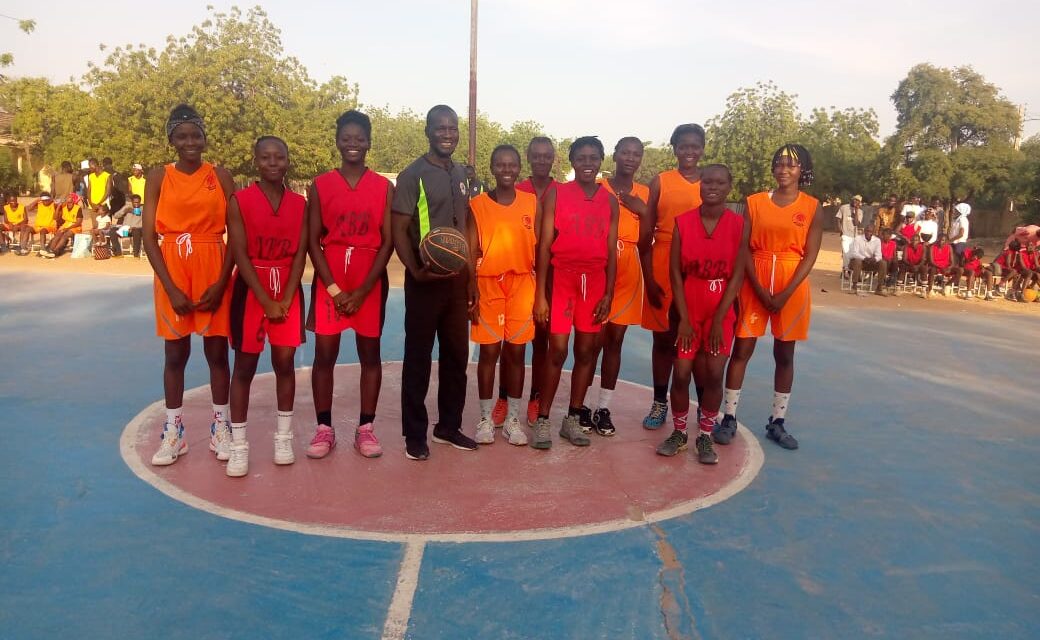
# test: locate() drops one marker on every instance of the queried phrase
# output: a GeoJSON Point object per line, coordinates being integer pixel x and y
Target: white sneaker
{"type": "Point", "coordinates": [283, 451]}
{"type": "Point", "coordinates": [238, 463]}
{"type": "Point", "coordinates": [514, 432]}
{"type": "Point", "coordinates": [485, 431]}
{"type": "Point", "coordinates": [947, 290]}
{"type": "Point", "coordinates": [172, 447]}
{"type": "Point", "coordinates": [220, 438]}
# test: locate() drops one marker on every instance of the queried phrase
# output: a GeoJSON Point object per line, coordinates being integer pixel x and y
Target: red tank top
{"type": "Point", "coordinates": [272, 237]}
{"type": "Point", "coordinates": [709, 257]}
{"type": "Point", "coordinates": [352, 216]}
{"type": "Point", "coordinates": [528, 187]}
{"type": "Point", "coordinates": [582, 227]}
{"type": "Point", "coordinates": [941, 256]}
{"type": "Point", "coordinates": [908, 231]}
{"type": "Point", "coordinates": [1025, 259]}
{"type": "Point", "coordinates": [914, 254]}
{"type": "Point", "coordinates": [971, 261]}
{"type": "Point", "coordinates": [888, 250]}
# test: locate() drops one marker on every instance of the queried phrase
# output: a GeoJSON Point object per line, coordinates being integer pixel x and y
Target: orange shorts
{"type": "Point", "coordinates": [49, 228]}
{"type": "Point", "coordinates": [72, 227]}
{"type": "Point", "coordinates": [193, 267]}
{"type": "Point", "coordinates": [506, 303]}
{"type": "Point", "coordinates": [627, 307]}
{"type": "Point", "coordinates": [656, 319]}
{"type": "Point", "coordinates": [792, 323]}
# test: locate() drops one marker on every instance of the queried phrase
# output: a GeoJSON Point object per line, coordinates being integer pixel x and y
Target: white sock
{"type": "Point", "coordinates": [285, 421]}
{"type": "Point", "coordinates": [238, 432]}
{"type": "Point", "coordinates": [222, 410]}
{"type": "Point", "coordinates": [731, 397]}
{"type": "Point", "coordinates": [604, 398]}
{"type": "Point", "coordinates": [780, 402]}
{"type": "Point", "coordinates": [485, 408]}
{"type": "Point", "coordinates": [514, 408]}
{"type": "Point", "coordinates": [173, 416]}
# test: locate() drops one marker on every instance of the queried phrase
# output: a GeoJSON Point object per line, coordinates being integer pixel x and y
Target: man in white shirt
{"type": "Point", "coordinates": [914, 206]}
{"type": "Point", "coordinates": [865, 253]}
{"type": "Point", "coordinates": [959, 229]}
{"type": "Point", "coordinates": [850, 219]}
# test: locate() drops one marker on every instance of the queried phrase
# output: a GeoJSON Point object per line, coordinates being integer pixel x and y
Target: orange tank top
{"type": "Point", "coordinates": [506, 234]}
{"type": "Point", "coordinates": [193, 203]}
{"type": "Point", "coordinates": [781, 231]}
{"type": "Point", "coordinates": [677, 196]}
{"type": "Point", "coordinates": [628, 221]}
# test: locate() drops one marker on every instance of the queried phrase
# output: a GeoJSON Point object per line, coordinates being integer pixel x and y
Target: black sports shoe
{"type": "Point", "coordinates": [706, 450]}
{"type": "Point", "coordinates": [414, 450]}
{"type": "Point", "coordinates": [585, 419]}
{"type": "Point", "coordinates": [674, 444]}
{"type": "Point", "coordinates": [775, 431]}
{"type": "Point", "coordinates": [455, 438]}
{"type": "Point", "coordinates": [725, 430]}
{"type": "Point", "coordinates": [602, 422]}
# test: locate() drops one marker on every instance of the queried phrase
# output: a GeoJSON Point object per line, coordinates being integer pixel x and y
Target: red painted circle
{"type": "Point", "coordinates": [498, 489]}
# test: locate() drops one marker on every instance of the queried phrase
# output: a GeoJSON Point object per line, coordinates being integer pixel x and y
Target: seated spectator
{"type": "Point", "coordinates": [45, 221]}
{"type": "Point", "coordinates": [973, 268]}
{"type": "Point", "coordinates": [102, 222]}
{"type": "Point", "coordinates": [1005, 269]}
{"type": "Point", "coordinates": [907, 230]}
{"type": "Point", "coordinates": [16, 222]}
{"type": "Point", "coordinates": [127, 224]}
{"type": "Point", "coordinates": [865, 253]}
{"type": "Point", "coordinates": [913, 264]}
{"type": "Point", "coordinates": [928, 227]}
{"type": "Point", "coordinates": [72, 223]}
{"type": "Point", "coordinates": [1027, 269]}
{"type": "Point", "coordinates": [888, 256]}
{"type": "Point", "coordinates": [940, 262]}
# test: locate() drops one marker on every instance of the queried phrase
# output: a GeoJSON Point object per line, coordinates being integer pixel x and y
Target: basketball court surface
{"type": "Point", "coordinates": [912, 509]}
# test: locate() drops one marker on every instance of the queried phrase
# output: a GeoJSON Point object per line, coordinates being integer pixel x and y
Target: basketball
{"type": "Point", "coordinates": [1029, 295]}
{"type": "Point", "coordinates": [445, 250]}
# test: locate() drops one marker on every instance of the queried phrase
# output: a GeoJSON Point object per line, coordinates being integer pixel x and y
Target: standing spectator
{"type": "Point", "coordinates": [865, 253]}
{"type": "Point", "coordinates": [850, 219]}
{"type": "Point", "coordinates": [98, 190]}
{"type": "Point", "coordinates": [120, 185]}
{"type": "Point", "coordinates": [474, 185]}
{"type": "Point", "coordinates": [886, 215]}
{"type": "Point", "coordinates": [137, 181]}
{"type": "Point", "coordinates": [128, 224]}
{"type": "Point", "coordinates": [63, 183]}
{"type": "Point", "coordinates": [431, 192]}
{"type": "Point", "coordinates": [45, 178]}
{"type": "Point", "coordinates": [940, 213]}
{"type": "Point", "coordinates": [914, 207]}
{"type": "Point", "coordinates": [959, 229]}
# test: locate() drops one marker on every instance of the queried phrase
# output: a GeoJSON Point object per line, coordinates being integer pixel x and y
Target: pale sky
{"type": "Point", "coordinates": [606, 67]}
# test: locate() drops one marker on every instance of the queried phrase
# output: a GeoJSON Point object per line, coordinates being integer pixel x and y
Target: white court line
{"type": "Point", "coordinates": [407, 580]}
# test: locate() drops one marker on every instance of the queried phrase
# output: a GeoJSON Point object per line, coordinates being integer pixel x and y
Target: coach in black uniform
{"type": "Point", "coordinates": [431, 192]}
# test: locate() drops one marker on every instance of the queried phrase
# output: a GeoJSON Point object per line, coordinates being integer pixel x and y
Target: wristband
{"type": "Point", "coordinates": [333, 290]}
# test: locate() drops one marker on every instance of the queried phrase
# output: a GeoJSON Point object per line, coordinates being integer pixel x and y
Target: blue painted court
{"type": "Point", "coordinates": [912, 509]}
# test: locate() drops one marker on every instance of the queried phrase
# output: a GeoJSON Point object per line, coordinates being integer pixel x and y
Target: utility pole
{"type": "Point", "coordinates": [473, 82]}
{"type": "Point", "coordinates": [1021, 125]}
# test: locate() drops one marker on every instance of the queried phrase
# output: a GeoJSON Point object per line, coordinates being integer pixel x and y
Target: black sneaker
{"type": "Point", "coordinates": [455, 438]}
{"type": "Point", "coordinates": [585, 419]}
{"type": "Point", "coordinates": [602, 422]}
{"type": "Point", "coordinates": [706, 450]}
{"type": "Point", "coordinates": [416, 450]}
{"type": "Point", "coordinates": [775, 431]}
{"type": "Point", "coordinates": [725, 430]}
{"type": "Point", "coordinates": [674, 444]}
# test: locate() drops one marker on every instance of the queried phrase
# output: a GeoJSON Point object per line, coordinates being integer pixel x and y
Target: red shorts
{"type": "Point", "coordinates": [574, 299]}
{"type": "Point", "coordinates": [350, 267]}
{"type": "Point", "coordinates": [250, 328]}
{"type": "Point", "coordinates": [702, 300]}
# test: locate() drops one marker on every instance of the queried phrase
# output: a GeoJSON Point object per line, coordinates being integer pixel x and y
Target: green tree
{"type": "Point", "coordinates": [26, 26]}
{"type": "Point", "coordinates": [1026, 180]}
{"type": "Point", "coordinates": [844, 147]}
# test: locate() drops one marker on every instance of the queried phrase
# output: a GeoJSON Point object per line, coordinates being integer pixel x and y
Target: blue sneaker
{"type": "Point", "coordinates": [775, 431]}
{"type": "Point", "coordinates": [658, 414]}
{"type": "Point", "coordinates": [724, 431]}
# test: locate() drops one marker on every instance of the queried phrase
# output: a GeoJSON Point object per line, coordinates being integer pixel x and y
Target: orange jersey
{"type": "Point", "coordinates": [782, 231]}
{"type": "Point", "coordinates": [506, 234]}
{"type": "Point", "coordinates": [677, 196]}
{"type": "Point", "coordinates": [194, 203]}
{"type": "Point", "coordinates": [69, 216]}
{"type": "Point", "coordinates": [16, 215]}
{"type": "Point", "coordinates": [628, 221]}
{"type": "Point", "coordinates": [45, 215]}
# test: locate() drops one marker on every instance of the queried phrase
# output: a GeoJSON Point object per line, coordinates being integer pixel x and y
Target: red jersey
{"type": "Point", "coordinates": [528, 187]}
{"type": "Point", "coordinates": [582, 227]}
{"type": "Point", "coordinates": [1025, 259]}
{"type": "Point", "coordinates": [888, 250]}
{"type": "Point", "coordinates": [352, 216]}
{"type": "Point", "coordinates": [942, 256]}
{"type": "Point", "coordinates": [908, 231]}
{"type": "Point", "coordinates": [708, 259]}
{"type": "Point", "coordinates": [913, 254]}
{"type": "Point", "coordinates": [1004, 258]}
{"type": "Point", "coordinates": [971, 262]}
{"type": "Point", "coordinates": [272, 237]}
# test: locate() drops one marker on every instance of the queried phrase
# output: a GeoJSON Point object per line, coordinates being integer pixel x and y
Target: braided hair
{"type": "Point", "coordinates": [800, 156]}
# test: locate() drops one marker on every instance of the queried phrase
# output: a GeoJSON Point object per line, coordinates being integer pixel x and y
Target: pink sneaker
{"type": "Point", "coordinates": [366, 443]}
{"type": "Point", "coordinates": [324, 441]}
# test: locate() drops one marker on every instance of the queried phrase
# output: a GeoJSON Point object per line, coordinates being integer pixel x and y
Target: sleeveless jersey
{"type": "Point", "coordinates": [69, 215]}
{"type": "Point", "coordinates": [908, 231]}
{"type": "Point", "coordinates": [16, 215]}
{"type": "Point", "coordinates": [888, 250]}
{"type": "Point", "coordinates": [709, 257]}
{"type": "Point", "coordinates": [528, 187]}
{"type": "Point", "coordinates": [1004, 258]}
{"type": "Point", "coordinates": [914, 254]}
{"type": "Point", "coordinates": [44, 214]}
{"type": "Point", "coordinates": [971, 261]}
{"type": "Point", "coordinates": [137, 186]}
{"type": "Point", "coordinates": [628, 220]}
{"type": "Point", "coordinates": [677, 196]}
{"type": "Point", "coordinates": [582, 227]}
{"type": "Point", "coordinates": [98, 182]}
{"type": "Point", "coordinates": [506, 234]}
{"type": "Point", "coordinates": [352, 216]}
{"type": "Point", "coordinates": [193, 204]}
{"type": "Point", "coordinates": [941, 256]}
{"type": "Point", "coordinates": [1025, 259]}
{"type": "Point", "coordinates": [781, 231]}
{"type": "Point", "coordinates": [272, 237]}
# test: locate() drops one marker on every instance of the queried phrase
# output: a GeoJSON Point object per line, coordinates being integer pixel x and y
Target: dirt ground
{"type": "Point", "coordinates": [825, 279]}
